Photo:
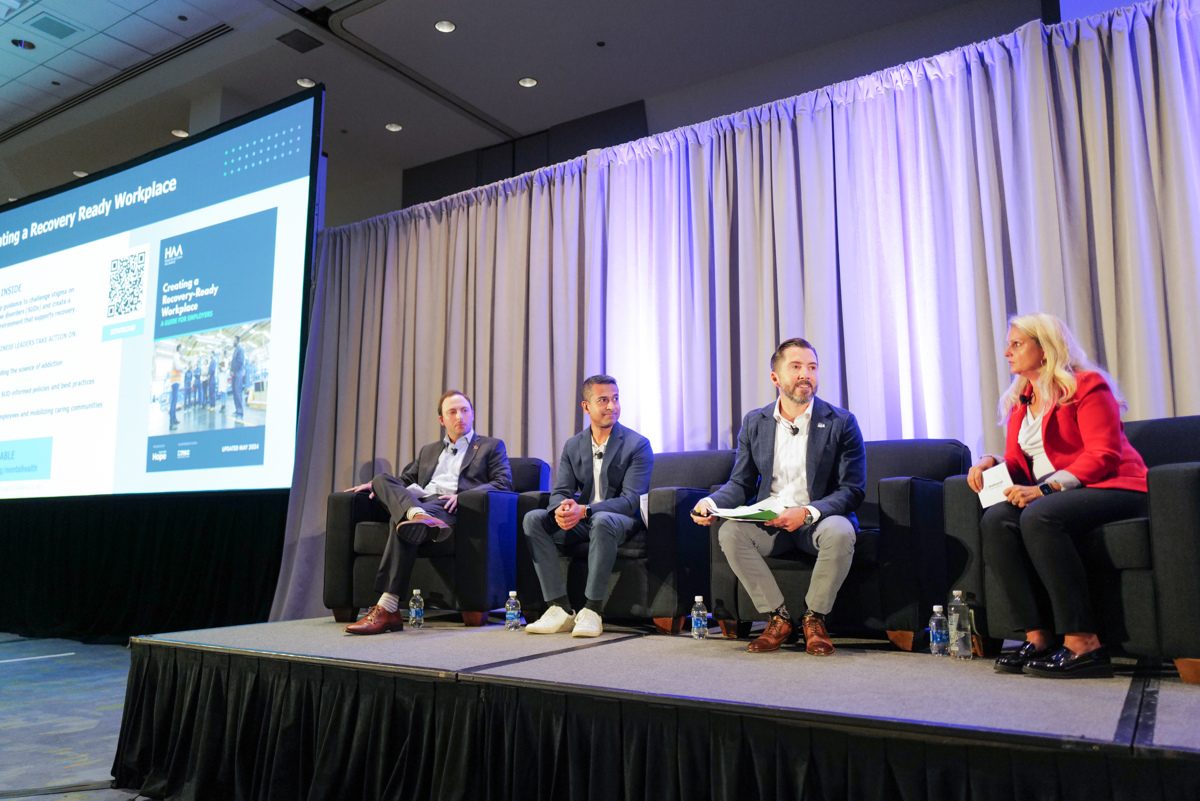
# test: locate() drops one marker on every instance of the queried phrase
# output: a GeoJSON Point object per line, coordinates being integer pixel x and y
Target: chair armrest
{"type": "Point", "coordinates": [1175, 553]}
{"type": "Point", "coordinates": [912, 550]}
{"type": "Point", "coordinates": [964, 547]}
{"type": "Point", "coordinates": [343, 512]}
{"type": "Point", "coordinates": [677, 551]}
{"type": "Point", "coordinates": [485, 532]}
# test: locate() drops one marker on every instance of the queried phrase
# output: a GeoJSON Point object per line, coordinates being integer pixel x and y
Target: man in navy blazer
{"type": "Point", "coordinates": [807, 457]}
{"type": "Point", "coordinates": [603, 472]}
{"type": "Point", "coordinates": [423, 500]}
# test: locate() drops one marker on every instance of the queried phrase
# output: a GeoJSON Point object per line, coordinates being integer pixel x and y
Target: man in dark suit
{"type": "Point", "coordinates": [806, 458]}
{"type": "Point", "coordinates": [423, 500]}
{"type": "Point", "coordinates": [603, 472]}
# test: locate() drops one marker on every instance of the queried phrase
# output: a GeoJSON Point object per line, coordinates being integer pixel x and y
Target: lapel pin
{"type": "Point", "coordinates": [820, 425]}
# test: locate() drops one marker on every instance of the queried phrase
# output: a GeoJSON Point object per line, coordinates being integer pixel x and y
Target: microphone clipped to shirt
{"type": "Point", "coordinates": [795, 429]}
{"type": "Point", "coordinates": [1025, 399]}
{"type": "Point", "coordinates": [597, 453]}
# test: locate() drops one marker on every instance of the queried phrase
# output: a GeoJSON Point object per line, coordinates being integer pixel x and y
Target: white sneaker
{"type": "Point", "coordinates": [555, 620]}
{"type": "Point", "coordinates": [587, 624]}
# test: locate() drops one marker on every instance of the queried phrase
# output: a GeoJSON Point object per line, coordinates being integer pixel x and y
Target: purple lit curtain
{"type": "Point", "coordinates": [895, 220]}
{"type": "Point", "coordinates": [1052, 169]}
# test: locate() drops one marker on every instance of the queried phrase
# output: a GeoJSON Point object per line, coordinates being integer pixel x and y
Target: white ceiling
{"type": "Point", "coordinates": [381, 61]}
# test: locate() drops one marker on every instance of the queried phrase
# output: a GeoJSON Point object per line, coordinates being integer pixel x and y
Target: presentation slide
{"type": "Point", "coordinates": [150, 318]}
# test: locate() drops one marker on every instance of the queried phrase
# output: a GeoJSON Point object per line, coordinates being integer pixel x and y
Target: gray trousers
{"type": "Point", "coordinates": [604, 533]}
{"type": "Point", "coordinates": [396, 565]}
{"type": "Point", "coordinates": [831, 539]}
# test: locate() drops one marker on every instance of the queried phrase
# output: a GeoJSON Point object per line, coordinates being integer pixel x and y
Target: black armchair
{"type": "Point", "coordinates": [899, 567]}
{"type": "Point", "coordinates": [1144, 572]}
{"type": "Point", "coordinates": [472, 571]}
{"type": "Point", "coordinates": [658, 570]}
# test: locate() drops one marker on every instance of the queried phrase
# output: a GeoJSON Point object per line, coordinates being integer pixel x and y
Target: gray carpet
{"type": "Point", "coordinates": [1177, 723]}
{"type": "Point", "coordinates": [60, 714]}
{"type": "Point", "coordinates": [449, 647]}
{"type": "Point", "coordinates": [911, 687]}
{"type": "Point", "coordinates": [866, 682]}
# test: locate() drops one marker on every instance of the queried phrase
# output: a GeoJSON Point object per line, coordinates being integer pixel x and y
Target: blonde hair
{"type": "Point", "coordinates": [1062, 359]}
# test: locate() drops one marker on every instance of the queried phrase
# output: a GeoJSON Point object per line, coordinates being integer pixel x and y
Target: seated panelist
{"type": "Point", "coordinates": [1073, 469]}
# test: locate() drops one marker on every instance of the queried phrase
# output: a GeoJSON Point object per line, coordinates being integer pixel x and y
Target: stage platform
{"type": "Point", "coordinates": [301, 710]}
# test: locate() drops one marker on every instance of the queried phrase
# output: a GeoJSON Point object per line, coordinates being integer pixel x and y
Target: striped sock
{"type": "Point", "coordinates": [389, 601]}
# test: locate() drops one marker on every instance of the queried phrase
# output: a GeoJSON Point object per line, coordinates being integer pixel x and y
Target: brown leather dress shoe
{"type": "Point", "coordinates": [778, 630]}
{"type": "Point", "coordinates": [426, 528]}
{"type": "Point", "coordinates": [377, 620]}
{"type": "Point", "coordinates": [816, 638]}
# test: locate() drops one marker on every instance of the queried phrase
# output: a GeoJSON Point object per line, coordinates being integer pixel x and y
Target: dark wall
{"type": "Point", "coordinates": [104, 568]}
{"type": "Point", "coordinates": [437, 179]}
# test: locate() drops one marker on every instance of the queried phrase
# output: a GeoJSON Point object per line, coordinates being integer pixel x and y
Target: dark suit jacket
{"type": "Point", "coordinates": [836, 461]}
{"type": "Point", "coordinates": [485, 465]}
{"type": "Point", "coordinates": [624, 473]}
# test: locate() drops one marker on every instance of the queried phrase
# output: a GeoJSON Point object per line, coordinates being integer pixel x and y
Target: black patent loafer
{"type": "Point", "coordinates": [1015, 661]}
{"type": "Point", "coordinates": [1065, 664]}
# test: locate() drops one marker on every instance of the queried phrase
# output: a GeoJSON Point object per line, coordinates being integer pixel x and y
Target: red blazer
{"type": "Point", "coordinates": [1083, 437]}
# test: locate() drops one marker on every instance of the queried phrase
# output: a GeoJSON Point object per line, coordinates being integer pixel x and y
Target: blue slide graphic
{"type": "Point", "coordinates": [216, 276]}
{"type": "Point", "coordinates": [227, 448]}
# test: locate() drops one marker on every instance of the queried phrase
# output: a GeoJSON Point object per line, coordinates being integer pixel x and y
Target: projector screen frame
{"type": "Point", "coordinates": [315, 184]}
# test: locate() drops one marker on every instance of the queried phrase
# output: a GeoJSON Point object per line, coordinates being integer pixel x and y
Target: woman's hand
{"type": "Point", "coordinates": [1020, 495]}
{"type": "Point", "coordinates": [975, 474]}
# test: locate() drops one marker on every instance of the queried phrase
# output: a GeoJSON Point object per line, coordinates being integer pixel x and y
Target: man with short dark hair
{"type": "Point", "coordinates": [423, 500]}
{"type": "Point", "coordinates": [808, 457]}
{"type": "Point", "coordinates": [603, 472]}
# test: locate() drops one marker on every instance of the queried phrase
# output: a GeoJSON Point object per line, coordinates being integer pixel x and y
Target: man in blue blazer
{"type": "Point", "coordinates": [603, 472]}
{"type": "Point", "coordinates": [807, 456]}
{"type": "Point", "coordinates": [423, 500]}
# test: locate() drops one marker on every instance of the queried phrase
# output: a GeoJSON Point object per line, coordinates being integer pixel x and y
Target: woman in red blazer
{"type": "Point", "coordinates": [1072, 470]}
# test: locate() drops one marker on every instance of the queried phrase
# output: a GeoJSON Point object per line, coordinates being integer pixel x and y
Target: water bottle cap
{"type": "Point", "coordinates": [699, 599]}
{"type": "Point", "coordinates": [512, 593]}
{"type": "Point", "coordinates": [958, 594]}
{"type": "Point", "coordinates": [937, 608]}
{"type": "Point", "coordinates": [416, 592]}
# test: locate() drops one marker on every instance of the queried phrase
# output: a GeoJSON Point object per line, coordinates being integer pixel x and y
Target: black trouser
{"type": "Point", "coordinates": [1031, 554]}
{"type": "Point", "coordinates": [395, 569]}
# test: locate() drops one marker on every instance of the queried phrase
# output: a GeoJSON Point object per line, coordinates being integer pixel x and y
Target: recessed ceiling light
{"type": "Point", "coordinates": [394, 126]}
{"type": "Point", "coordinates": [528, 83]}
{"type": "Point", "coordinates": [79, 173]}
{"type": "Point", "coordinates": [12, 200]}
{"type": "Point", "coordinates": [307, 83]}
{"type": "Point", "coordinates": [445, 26]}
{"type": "Point", "coordinates": [23, 44]}
{"type": "Point", "coordinates": [180, 133]}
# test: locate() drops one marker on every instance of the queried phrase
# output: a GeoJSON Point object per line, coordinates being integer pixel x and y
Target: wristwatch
{"type": "Point", "coordinates": [1046, 488]}
{"type": "Point", "coordinates": [808, 516]}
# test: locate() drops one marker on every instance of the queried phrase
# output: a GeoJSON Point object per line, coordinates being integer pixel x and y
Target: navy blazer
{"type": "Point", "coordinates": [624, 473]}
{"type": "Point", "coordinates": [484, 466]}
{"type": "Point", "coordinates": [836, 461]}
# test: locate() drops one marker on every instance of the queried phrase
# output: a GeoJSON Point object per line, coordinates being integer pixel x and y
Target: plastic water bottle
{"type": "Point", "coordinates": [939, 633]}
{"type": "Point", "coordinates": [960, 627]}
{"type": "Point", "coordinates": [512, 612]}
{"type": "Point", "coordinates": [416, 611]}
{"type": "Point", "coordinates": [699, 619]}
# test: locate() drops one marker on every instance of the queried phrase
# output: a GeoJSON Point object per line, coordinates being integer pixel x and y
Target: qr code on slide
{"type": "Point", "coordinates": [126, 279]}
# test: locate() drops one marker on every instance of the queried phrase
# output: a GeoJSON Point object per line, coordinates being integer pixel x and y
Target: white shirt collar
{"type": "Point", "coordinates": [802, 420]}
{"type": "Point", "coordinates": [461, 444]}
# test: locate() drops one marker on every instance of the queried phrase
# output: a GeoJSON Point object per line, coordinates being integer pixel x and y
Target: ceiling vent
{"type": "Point", "coordinates": [53, 26]}
{"type": "Point", "coordinates": [300, 41]}
{"type": "Point", "coordinates": [11, 8]}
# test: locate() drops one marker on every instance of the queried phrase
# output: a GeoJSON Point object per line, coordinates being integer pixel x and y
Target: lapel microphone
{"type": "Point", "coordinates": [795, 429]}
{"type": "Point", "coordinates": [597, 454]}
{"type": "Point", "coordinates": [1025, 399]}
